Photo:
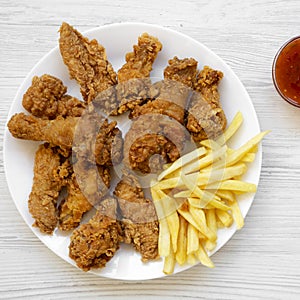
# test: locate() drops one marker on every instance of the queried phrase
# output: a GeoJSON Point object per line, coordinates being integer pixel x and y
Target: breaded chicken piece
{"type": "Point", "coordinates": [206, 117]}
{"type": "Point", "coordinates": [86, 61]}
{"type": "Point", "coordinates": [109, 144]}
{"type": "Point", "coordinates": [73, 207]}
{"type": "Point", "coordinates": [93, 244]}
{"type": "Point", "coordinates": [60, 132]}
{"type": "Point", "coordinates": [134, 85]}
{"type": "Point", "coordinates": [46, 98]}
{"type": "Point", "coordinates": [151, 141]}
{"type": "Point", "coordinates": [49, 178]}
{"type": "Point", "coordinates": [139, 220]}
{"type": "Point", "coordinates": [179, 77]}
{"type": "Point", "coordinates": [139, 62]}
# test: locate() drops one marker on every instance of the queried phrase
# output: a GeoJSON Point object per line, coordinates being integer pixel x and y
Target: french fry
{"type": "Point", "coordinates": [203, 162]}
{"type": "Point", "coordinates": [192, 239]}
{"type": "Point", "coordinates": [164, 239]}
{"type": "Point", "coordinates": [224, 217]}
{"type": "Point", "coordinates": [210, 144]}
{"type": "Point", "coordinates": [191, 259]}
{"type": "Point", "coordinates": [202, 256]}
{"type": "Point", "coordinates": [231, 129]}
{"type": "Point", "coordinates": [212, 225]}
{"type": "Point", "coordinates": [169, 263]}
{"type": "Point", "coordinates": [233, 185]}
{"type": "Point", "coordinates": [181, 253]}
{"type": "Point", "coordinates": [182, 161]}
{"type": "Point", "coordinates": [205, 197]}
{"type": "Point", "coordinates": [237, 215]}
{"type": "Point", "coordinates": [172, 218]}
{"type": "Point", "coordinates": [239, 153]}
{"type": "Point", "coordinates": [199, 217]}
{"type": "Point", "coordinates": [226, 195]}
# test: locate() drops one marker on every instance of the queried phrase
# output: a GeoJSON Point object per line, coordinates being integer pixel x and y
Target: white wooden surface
{"type": "Point", "coordinates": [260, 262]}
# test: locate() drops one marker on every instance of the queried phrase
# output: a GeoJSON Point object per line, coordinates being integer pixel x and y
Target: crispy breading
{"type": "Point", "coordinates": [48, 180]}
{"type": "Point", "coordinates": [206, 117]}
{"type": "Point", "coordinates": [93, 244]}
{"type": "Point", "coordinates": [134, 86]}
{"type": "Point", "coordinates": [86, 61]}
{"type": "Point", "coordinates": [46, 98]}
{"type": "Point", "coordinates": [174, 90]}
{"type": "Point", "coordinates": [73, 207]}
{"type": "Point", "coordinates": [139, 220]}
{"type": "Point", "coordinates": [108, 144]}
{"type": "Point", "coordinates": [60, 132]}
{"type": "Point", "coordinates": [139, 62]}
{"type": "Point", "coordinates": [152, 134]}
{"type": "Point", "coordinates": [181, 70]}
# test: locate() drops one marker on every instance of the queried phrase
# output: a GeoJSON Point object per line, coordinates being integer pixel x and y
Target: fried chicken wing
{"type": "Point", "coordinates": [73, 207]}
{"type": "Point", "coordinates": [206, 117]}
{"type": "Point", "coordinates": [94, 244]}
{"type": "Point", "coordinates": [46, 98]}
{"type": "Point", "coordinates": [179, 77]}
{"type": "Point", "coordinates": [49, 178]}
{"type": "Point", "coordinates": [139, 62]}
{"type": "Point", "coordinates": [86, 61]}
{"type": "Point", "coordinates": [139, 220]}
{"type": "Point", "coordinates": [134, 85]}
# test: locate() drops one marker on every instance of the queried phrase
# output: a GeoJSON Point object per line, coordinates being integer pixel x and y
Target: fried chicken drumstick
{"type": "Point", "coordinates": [60, 132]}
{"type": "Point", "coordinates": [93, 244]}
{"type": "Point", "coordinates": [139, 220]}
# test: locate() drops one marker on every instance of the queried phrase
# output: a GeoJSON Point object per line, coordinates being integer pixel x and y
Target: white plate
{"type": "Point", "coordinates": [118, 40]}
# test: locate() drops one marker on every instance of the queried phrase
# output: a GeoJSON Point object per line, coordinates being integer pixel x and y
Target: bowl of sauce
{"type": "Point", "coordinates": [286, 71]}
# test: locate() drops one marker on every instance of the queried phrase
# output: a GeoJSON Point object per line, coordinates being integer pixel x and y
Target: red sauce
{"type": "Point", "coordinates": [287, 71]}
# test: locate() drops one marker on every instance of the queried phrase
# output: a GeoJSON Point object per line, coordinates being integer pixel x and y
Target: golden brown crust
{"type": "Point", "coordinates": [47, 182]}
{"type": "Point", "coordinates": [86, 61]}
{"type": "Point", "coordinates": [206, 117]}
{"type": "Point", "coordinates": [134, 88]}
{"type": "Point", "coordinates": [139, 221]}
{"type": "Point", "coordinates": [93, 244]}
{"type": "Point", "coordinates": [152, 134]}
{"type": "Point", "coordinates": [139, 62]}
{"type": "Point", "coordinates": [46, 98]}
{"type": "Point", "coordinates": [73, 207]}
{"type": "Point", "coordinates": [58, 132]}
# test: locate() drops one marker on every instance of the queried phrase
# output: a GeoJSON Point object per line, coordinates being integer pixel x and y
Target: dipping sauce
{"type": "Point", "coordinates": [286, 71]}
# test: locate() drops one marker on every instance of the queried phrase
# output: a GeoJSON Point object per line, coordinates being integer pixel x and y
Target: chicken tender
{"type": "Point", "coordinates": [93, 244]}
{"type": "Point", "coordinates": [49, 178]}
{"type": "Point", "coordinates": [46, 98]}
{"type": "Point", "coordinates": [86, 61]}
{"type": "Point", "coordinates": [139, 220]}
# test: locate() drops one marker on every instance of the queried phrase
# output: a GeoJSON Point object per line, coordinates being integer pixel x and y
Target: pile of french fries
{"type": "Point", "coordinates": [197, 194]}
